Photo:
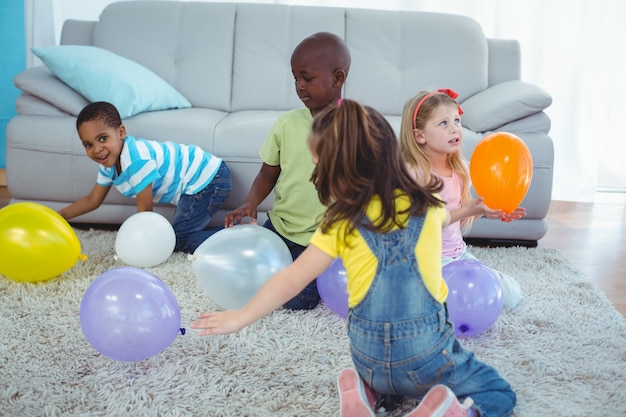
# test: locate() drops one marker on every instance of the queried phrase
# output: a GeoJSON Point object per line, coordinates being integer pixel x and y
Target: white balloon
{"type": "Point", "coordinates": [145, 239]}
{"type": "Point", "coordinates": [234, 263]}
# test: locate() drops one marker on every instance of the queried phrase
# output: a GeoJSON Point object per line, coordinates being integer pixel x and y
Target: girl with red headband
{"type": "Point", "coordinates": [430, 139]}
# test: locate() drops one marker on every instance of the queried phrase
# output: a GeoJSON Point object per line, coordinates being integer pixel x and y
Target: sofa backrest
{"type": "Point", "coordinates": [395, 54]}
{"type": "Point", "coordinates": [265, 37]}
{"type": "Point", "coordinates": [236, 56]}
{"type": "Point", "coordinates": [188, 44]}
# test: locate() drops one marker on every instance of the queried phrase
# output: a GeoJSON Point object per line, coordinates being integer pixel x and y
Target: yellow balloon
{"type": "Point", "coordinates": [36, 243]}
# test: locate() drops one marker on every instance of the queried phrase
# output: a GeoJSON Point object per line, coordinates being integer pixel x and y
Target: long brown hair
{"type": "Point", "coordinates": [358, 157]}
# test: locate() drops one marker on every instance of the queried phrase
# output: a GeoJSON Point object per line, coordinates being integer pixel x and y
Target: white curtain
{"type": "Point", "coordinates": [574, 50]}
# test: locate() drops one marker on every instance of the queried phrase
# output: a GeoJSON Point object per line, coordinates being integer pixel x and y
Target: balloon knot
{"type": "Point", "coordinates": [83, 257]}
{"type": "Point", "coordinates": [191, 257]}
{"type": "Point", "coordinates": [183, 331]}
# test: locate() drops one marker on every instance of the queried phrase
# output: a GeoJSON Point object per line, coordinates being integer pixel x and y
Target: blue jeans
{"type": "Point", "coordinates": [309, 297]}
{"type": "Point", "coordinates": [194, 212]}
{"type": "Point", "coordinates": [401, 340]}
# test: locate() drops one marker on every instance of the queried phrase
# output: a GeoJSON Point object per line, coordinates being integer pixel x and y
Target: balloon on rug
{"type": "Point", "coordinates": [235, 262]}
{"type": "Point", "coordinates": [332, 285]}
{"type": "Point", "coordinates": [145, 239]}
{"type": "Point", "coordinates": [474, 298]}
{"type": "Point", "coordinates": [129, 314]}
{"type": "Point", "coordinates": [37, 243]}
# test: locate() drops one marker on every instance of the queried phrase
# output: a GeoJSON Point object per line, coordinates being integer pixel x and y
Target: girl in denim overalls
{"type": "Point", "coordinates": [387, 230]}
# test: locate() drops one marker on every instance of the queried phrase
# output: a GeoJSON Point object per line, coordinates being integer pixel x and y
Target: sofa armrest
{"type": "Point", "coordinates": [27, 104]}
{"type": "Point", "coordinates": [538, 123]}
{"type": "Point", "coordinates": [77, 32]}
{"type": "Point", "coordinates": [502, 104]}
{"type": "Point", "coordinates": [43, 84]}
{"type": "Point", "coordinates": [505, 61]}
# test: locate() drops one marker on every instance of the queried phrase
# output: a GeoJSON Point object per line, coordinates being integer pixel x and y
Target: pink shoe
{"type": "Point", "coordinates": [356, 398]}
{"type": "Point", "coordinates": [440, 401]}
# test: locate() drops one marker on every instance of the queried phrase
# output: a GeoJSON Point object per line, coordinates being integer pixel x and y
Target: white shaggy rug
{"type": "Point", "coordinates": [563, 350]}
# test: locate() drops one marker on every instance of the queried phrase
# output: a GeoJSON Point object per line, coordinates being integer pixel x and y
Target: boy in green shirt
{"type": "Point", "coordinates": [320, 65]}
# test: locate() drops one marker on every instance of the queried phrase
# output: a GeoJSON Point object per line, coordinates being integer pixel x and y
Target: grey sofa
{"type": "Point", "coordinates": [231, 61]}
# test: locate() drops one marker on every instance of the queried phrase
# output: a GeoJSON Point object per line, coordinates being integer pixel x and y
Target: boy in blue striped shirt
{"type": "Point", "coordinates": [193, 180]}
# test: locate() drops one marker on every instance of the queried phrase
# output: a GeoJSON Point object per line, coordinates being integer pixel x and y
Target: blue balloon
{"type": "Point", "coordinates": [234, 263]}
{"type": "Point", "coordinates": [332, 285]}
{"type": "Point", "coordinates": [474, 297]}
{"type": "Point", "coordinates": [129, 314]}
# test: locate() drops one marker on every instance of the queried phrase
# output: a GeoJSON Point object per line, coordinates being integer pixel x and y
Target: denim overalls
{"type": "Point", "coordinates": [401, 340]}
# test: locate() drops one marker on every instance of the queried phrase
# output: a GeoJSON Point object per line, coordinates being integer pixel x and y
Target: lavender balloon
{"type": "Point", "coordinates": [129, 314]}
{"type": "Point", "coordinates": [332, 285]}
{"type": "Point", "coordinates": [474, 297]}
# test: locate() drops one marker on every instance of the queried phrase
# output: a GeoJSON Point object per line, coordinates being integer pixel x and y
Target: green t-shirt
{"type": "Point", "coordinates": [296, 210]}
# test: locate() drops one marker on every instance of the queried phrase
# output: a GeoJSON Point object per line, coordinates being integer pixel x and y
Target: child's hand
{"type": "Point", "coordinates": [516, 214]}
{"type": "Point", "coordinates": [236, 216]}
{"type": "Point", "coordinates": [478, 208]}
{"type": "Point", "coordinates": [218, 322]}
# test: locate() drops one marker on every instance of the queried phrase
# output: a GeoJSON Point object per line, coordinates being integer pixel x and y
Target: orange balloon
{"type": "Point", "coordinates": [501, 169]}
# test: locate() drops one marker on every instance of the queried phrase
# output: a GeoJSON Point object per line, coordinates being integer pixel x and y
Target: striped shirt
{"type": "Point", "coordinates": [172, 169]}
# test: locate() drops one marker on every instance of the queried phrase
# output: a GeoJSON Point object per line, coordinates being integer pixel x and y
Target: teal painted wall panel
{"type": "Point", "coordinates": [12, 51]}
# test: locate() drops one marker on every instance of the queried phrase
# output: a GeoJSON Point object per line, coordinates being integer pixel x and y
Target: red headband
{"type": "Point", "coordinates": [448, 91]}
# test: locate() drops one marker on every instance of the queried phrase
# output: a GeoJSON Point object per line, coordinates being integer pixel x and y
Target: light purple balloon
{"type": "Point", "coordinates": [474, 298]}
{"type": "Point", "coordinates": [129, 314]}
{"type": "Point", "coordinates": [332, 285]}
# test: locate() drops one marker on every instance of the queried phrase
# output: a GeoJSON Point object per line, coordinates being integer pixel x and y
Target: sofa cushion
{"type": "Point", "coordinates": [40, 82]}
{"type": "Point", "coordinates": [538, 122]}
{"type": "Point", "coordinates": [397, 54]}
{"type": "Point", "coordinates": [101, 75]}
{"type": "Point", "coordinates": [194, 126]}
{"type": "Point", "coordinates": [241, 134]}
{"type": "Point", "coordinates": [504, 102]}
{"type": "Point", "coordinates": [188, 44]}
{"type": "Point", "coordinates": [265, 37]}
{"type": "Point", "coordinates": [29, 104]}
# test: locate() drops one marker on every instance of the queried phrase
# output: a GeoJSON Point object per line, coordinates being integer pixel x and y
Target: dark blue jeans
{"type": "Point", "coordinates": [194, 212]}
{"type": "Point", "coordinates": [309, 297]}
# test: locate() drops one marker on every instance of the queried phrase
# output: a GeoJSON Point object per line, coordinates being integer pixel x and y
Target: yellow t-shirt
{"type": "Point", "coordinates": [297, 209]}
{"type": "Point", "coordinates": [360, 263]}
